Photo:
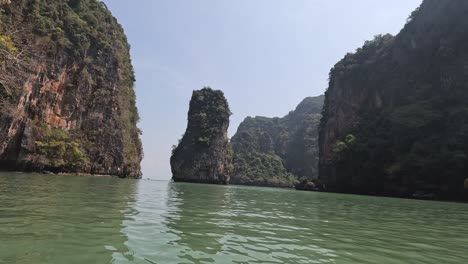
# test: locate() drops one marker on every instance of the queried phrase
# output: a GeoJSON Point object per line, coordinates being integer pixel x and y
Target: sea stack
{"type": "Point", "coordinates": [204, 154]}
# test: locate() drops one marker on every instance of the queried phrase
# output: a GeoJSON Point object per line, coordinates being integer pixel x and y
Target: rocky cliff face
{"type": "Point", "coordinates": [66, 89]}
{"type": "Point", "coordinates": [395, 120]}
{"type": "Point", "coordinates": [204, 153]}
{"type": "Point", "coordinates": [278, 151]}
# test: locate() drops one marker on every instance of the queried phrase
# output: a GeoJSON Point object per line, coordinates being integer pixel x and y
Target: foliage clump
{"type": "Point", "coordinates": [7, 45]}
{"type": "Point", "coordinates": [58, 147]}
{"type": "Point", "coordinates": [342, 146]}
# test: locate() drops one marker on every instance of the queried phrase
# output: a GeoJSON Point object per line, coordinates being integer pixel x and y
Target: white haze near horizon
{"type": "Point", "coordinates": [266, 55]}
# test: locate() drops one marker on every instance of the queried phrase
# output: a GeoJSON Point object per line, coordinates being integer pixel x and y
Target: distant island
{"type": "Point", "coordinates": [279, 152]}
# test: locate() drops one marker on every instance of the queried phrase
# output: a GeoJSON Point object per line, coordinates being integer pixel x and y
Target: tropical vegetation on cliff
{"type": "Point", "coordinates": [278, 151]}
{"type": "Point", "coordinates": [395, 120]}
{"type": "Point", "coordinates": [66, 87]}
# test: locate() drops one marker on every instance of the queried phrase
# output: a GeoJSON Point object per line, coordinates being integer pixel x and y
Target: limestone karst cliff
{"type": "Point", "coordinates": [204, 155]}
{"type": "Point", "coordinates": [395, 120]}
{"type": "Point", "coordinates": [67, 102]}
{"type": "Point", "coordinates": [278, 151]}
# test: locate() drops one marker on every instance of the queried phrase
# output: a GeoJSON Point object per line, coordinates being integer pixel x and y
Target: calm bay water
{"type": "Point", "coordinates": [67, 219]}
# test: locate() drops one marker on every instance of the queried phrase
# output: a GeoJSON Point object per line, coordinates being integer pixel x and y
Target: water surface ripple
{"type": "Point", "coordinates": [60, 219]}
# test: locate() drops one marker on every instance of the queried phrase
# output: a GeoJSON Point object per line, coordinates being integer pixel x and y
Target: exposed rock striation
{"type": "Point", "coordinates": [395, 120]}
{"type": "Point", "coordinates": [204, 154]}
{"type": "Point", "coordinates": [67, 102]}
{"type": "Point", "coordinates": [278, 151]}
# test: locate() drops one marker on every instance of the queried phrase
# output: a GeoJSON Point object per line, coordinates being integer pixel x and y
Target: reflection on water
{"type": "Point", "coordinates": [51, 219]}
{"type": "Point", "coordinates": [190, 223]}
{"type": "Point", "coordinates": [55, 220]}
{"type": "Point", "coordinates": [237, 224]}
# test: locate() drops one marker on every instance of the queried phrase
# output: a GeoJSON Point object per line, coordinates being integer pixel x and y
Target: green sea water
{"type": "Point", "coordinates": [70, 219]}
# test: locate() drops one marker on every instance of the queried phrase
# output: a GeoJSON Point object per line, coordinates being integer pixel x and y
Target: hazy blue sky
{"type": "Point", "coordinates": [266, 55]}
